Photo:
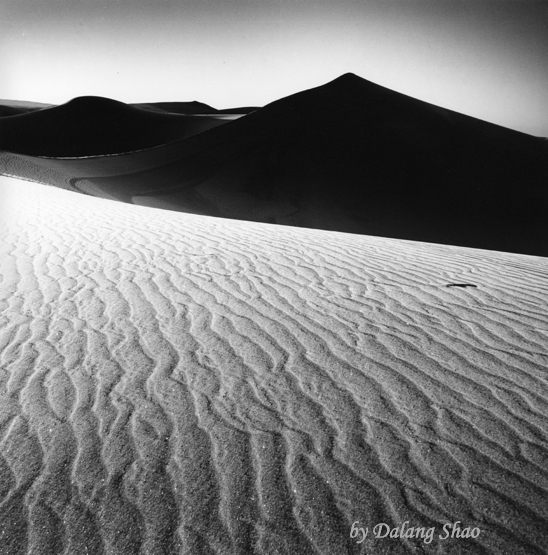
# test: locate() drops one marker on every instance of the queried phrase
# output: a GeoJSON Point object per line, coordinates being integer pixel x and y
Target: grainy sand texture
{"type": "Point", "coordinates": [180, 384]}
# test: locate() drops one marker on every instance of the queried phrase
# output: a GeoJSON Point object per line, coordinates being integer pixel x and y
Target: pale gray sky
{"type": "Point", "coordinates": [486, 58]}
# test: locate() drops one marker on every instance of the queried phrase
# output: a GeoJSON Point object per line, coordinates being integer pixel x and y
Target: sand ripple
{"type": "Point", "coordinates": [177, 384]}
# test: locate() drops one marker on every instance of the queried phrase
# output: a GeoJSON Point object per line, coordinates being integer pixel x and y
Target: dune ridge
{"type": "Point", "coordinates": [180, 384]}
{"type": "Point", "coordinates": [92, 126]}
{"type": "Point", "coordinates": [347, 156]}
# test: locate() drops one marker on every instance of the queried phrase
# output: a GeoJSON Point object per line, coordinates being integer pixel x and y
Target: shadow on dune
{"type": "Point", "coordinates": [349, 156]}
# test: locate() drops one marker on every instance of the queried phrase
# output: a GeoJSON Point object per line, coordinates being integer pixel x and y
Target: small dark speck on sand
{"type": "Point", "coordinates": [460, 285]}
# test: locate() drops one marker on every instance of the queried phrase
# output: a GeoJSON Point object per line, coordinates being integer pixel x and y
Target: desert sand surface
{"type": "Point", "coordinates": [181, 384]}
{"type": "Point", "coordinates": [349, 156]}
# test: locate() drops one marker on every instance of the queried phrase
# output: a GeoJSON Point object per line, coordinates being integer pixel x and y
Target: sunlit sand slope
{"type": "Point", "coordinates": [178, 384]}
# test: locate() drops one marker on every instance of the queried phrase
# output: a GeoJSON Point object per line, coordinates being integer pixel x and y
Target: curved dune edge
{"type": "Point", "coordinates": [178, 384]}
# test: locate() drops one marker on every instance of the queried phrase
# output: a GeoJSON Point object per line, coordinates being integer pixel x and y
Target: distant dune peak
{"type": "Point", "coordinates": [350, 77]}
{"type": "Point", "coordinates": [95, 103]}
{"type": "Point", "coordinates": [92, 98]}
{"type": "Point", "coordinates": [351, 81]}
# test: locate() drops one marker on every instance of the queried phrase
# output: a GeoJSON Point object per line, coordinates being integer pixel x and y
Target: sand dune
{"type": "Point", "coordinates": [16, 107]}
{"type": "Point", "coordinates": [192, 108]}
{"type": "Point", "coordinates": [180, 384]}
{"type": "Point", "coordinates": [347, 156]}
{"type": "Point", "coordinates": [91, 126]}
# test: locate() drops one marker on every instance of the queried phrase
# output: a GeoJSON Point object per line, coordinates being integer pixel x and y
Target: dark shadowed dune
{"type": "Point", "coordinates": [348, 156]}
{"type": "Point", "coordinates": [17, 107]}
{"type": "Point", "coordinates": [91, 126]}
{"type": "Point", "coordinates": [193, 107]}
